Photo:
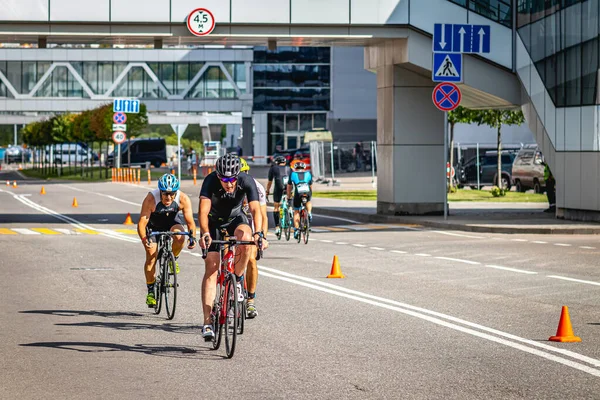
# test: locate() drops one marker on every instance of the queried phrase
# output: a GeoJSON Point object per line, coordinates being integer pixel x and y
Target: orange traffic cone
{"type": "Point", "coordinates": [75, 202]}
{"type": "Point", "coordinates": [336, 272]}
{"type": "Point", "coordinates": [564, 333]}
{"type": "Point", "coordinates": [128, 220]}
{"type": "Point", "coordinates": [14, 184]}
{"type": "Point", "coordinates": [43, 191]}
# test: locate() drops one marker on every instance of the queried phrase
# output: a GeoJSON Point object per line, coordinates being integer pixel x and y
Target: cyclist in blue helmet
{"type": "Point", "coordinates": [161, 211]}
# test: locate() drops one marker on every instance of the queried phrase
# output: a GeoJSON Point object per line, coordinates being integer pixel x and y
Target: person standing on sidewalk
{"type": "Point", "coordinates": [550, 188]}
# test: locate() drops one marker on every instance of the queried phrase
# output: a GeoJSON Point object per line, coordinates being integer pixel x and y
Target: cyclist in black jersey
{"type": "Point", "coordinates": [161, 212]}
{"type": "Point", "coordinates": [278, 173]}
{"type": "Point", "coordinates": [221, 207]}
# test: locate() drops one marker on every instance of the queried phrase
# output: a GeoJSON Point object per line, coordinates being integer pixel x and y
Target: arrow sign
{"type": "Point", "coordinates": [442, 37]}
{"type": "Point", "coordinates": [481, 39]}
{"type": "Point", "coordinates": [461, 38]}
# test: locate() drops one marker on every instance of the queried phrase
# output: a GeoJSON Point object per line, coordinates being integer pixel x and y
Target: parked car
{"type": "Point", "coordinates": [488, 170]}
{"type": "Point", "coordinates": [528, 171]}
{"type": "Point", "coordinates": [16, 154]}
{"type": "Point", "coordinates": [153, 151]}
{"type": "Point", "coordinates": [69, 153]}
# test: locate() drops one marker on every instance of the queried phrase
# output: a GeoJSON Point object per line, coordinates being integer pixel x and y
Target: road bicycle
{"type": "Point", "coordinates": [286, 218]}
{"type": "Point", "coordinates": [165, 287]}
{"type": "Point", "coordinates": [228, 307]}
{"type": "Point", "coordinates": [304, 221]}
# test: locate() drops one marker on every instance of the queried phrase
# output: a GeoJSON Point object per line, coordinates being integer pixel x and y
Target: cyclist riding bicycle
{"type": "Point", "coordinates": [278, 173]}
{"type": "Point", "coordinates": [161, 212]}
{"type": "Point", "coordinates": [221, 201]}
{"type": "Point", "coordinates": [252, 269]}
{"type": "Point", "coordinates": [301, 183]}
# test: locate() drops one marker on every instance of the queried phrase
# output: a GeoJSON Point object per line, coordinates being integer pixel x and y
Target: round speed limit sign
{"type": "Point", "coordinates": [119, 137]}
{"type": "Point", "coordinates": [201, 22]}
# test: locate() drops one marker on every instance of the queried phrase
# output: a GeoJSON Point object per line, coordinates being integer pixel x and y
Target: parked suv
{"type": "Point", "coordinates": [528, 171]}
{"type": "Point", "coordinates": [153, 151]}
{"type": "Point", "coordinates": [488, 170]}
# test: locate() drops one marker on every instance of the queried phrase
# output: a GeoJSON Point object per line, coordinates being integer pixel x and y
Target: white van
{"type": "Point", "coordinates": [71, 153]}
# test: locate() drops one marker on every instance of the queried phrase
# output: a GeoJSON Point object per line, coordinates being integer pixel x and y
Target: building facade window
{"type": "Point", "coordinates": [497, 10]}
{"type": "Point", "coordinates": [561, 37]}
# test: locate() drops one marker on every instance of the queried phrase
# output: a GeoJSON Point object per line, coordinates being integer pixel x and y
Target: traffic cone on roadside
{"type": "Point", "coordinates": [14, 184]}
{"type": "Point", "coordinates": [75, 202]}
{"type": "Point", "coordinates": [43, 191]}
{"type": "Point", "coordinates": [336, 271]}
{"type": "Point", "coordinates": [128, 220]}
{"type": "Point", "coordinates": [564, 333]}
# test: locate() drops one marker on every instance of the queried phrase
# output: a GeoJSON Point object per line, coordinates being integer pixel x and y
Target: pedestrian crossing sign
{"type": "Point", "coordinates": [447, 67]}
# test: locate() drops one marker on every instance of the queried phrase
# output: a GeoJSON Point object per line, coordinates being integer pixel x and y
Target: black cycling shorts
{"type": "Point", "coordinates": [297, 204]}
{"type": "Point", "coordinates": [277, 194]}
{"type": "Point", "coordinates": [164, 228]}
{"type": "Point", "coordinates": [215, 227]}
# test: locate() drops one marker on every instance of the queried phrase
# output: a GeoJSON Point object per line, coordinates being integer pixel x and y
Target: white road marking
{"type": "Point", "coordinates": [376, 248]}
{"type": "Point", "coordinates": [574, 280]}
{"type": "Point", "coordinates": [24, 231]}
{"type": "Point", "coordinates": [562, 244]}
{"type": "Point", "coordinates": [519, 240]}
{"type": "Point", "coordinates": [459, 235]}
{"type": "Point", "coordinates": [459, 260]}
{"type": "Point", "coordinates": [317, 230]}
{"type": "Point", "coordinates": [587, 247]}
{"type": "Point", "coordinates": [538, 242]}
{"type": "Point", "coordinates": [338, 218]}
{"type": "Point", "coordinates": [521, 271]}
{"type": "Point", "coordinates": [104, 195]}
{"type": "Point", "coordinates": [358, 245]}
{"type": "Point", "coordinates": [438, 318]}
{"type": "Point", "coordinates": [326, 241]}
{"type": "Point", "coordinates": [398, 251]}
{"type": "Point", "coordinates": [341, 243]}
{"type": "Point", "coordinates": [423, 255]}
{"type": "Point", "coordinates": [67, 231]}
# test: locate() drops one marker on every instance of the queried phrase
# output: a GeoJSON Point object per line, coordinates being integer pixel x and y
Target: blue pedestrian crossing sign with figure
{"type": "Point", "coordinates": [447, 67]}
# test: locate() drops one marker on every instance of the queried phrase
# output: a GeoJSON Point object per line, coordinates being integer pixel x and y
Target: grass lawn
{"type": "Point", "coordinates": [485, 195]}
{"type": "Point", "coordinates": [461, 195]}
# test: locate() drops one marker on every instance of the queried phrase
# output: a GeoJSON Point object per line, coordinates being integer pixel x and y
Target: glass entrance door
{"type": "Point", "coordinates": [293, 140]}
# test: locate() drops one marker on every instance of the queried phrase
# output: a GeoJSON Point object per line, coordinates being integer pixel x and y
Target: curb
{"type": "Point", "coordinates": [374, 218]}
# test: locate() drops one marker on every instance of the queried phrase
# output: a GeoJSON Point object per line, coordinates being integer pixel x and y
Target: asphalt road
{"type": "Point", "coordinates": [421, 314]}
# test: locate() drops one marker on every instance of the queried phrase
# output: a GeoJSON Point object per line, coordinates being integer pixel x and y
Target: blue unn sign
{"type": "Point", "coordinates": [131, 106]}
{"type": "Point", "coordinates": [447, 67]}
{"type": "Point", "coordinates": [461, 38]}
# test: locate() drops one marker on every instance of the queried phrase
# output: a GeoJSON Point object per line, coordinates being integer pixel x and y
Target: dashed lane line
{"type": "Point", "coordinates": [562, 244]}
{"type": "Point", "coordinates": [422, 255]}
{"type": "Point", "coordinates": [376, 248]}
{"type": "Point", "coordinates": [459, 260]}
{"type": "Point", "coordinates": [574, 280]}
{"type": "Point", "coordinates": [521, 271]}
{"type": "Point", "coordinates": [24, 231]}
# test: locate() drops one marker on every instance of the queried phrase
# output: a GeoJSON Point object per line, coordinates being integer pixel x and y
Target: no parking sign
{"type": "Point", "coordinates": [446, 96]}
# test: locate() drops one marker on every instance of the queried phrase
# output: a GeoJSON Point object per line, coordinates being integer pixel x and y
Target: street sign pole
{"type": "Point", "coordinates": [445, 164]}
{"type": "Point", "coordinates": [119, 156]}
{"type": "Point", "coordinates": [179, 156]}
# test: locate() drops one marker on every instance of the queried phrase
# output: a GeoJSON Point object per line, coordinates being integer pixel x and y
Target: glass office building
{"type": "Point", "coordinates": [293, 85]}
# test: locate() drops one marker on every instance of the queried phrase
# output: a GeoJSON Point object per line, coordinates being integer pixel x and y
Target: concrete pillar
{"type": "Point", "coordinates": [247, 142]}
{"type": "Point", "coordinates": [410, 136]}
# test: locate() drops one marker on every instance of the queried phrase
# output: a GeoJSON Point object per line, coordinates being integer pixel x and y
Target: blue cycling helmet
{"type": "Point", "coordinates": [168, 183]}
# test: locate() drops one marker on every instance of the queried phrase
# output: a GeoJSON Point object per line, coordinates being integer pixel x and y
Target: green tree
{"type": "Point", "coordinates": [495, 119]}
{"type": "Point", "coordinates": [459, 115]}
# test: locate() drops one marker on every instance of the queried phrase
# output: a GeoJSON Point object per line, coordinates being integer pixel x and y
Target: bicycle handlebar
{"type": "Point", "coordinates": [235, 241]}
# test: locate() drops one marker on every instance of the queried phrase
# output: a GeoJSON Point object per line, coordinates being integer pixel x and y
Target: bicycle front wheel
{"type": "Point", "coordinates": [216, 315]}
{"type": "Point", "coordinates": [231, 315]}
{"type": "Point", "coordinates": [158, 288]}
{"type": "Point", "coordinates": [170, 275]}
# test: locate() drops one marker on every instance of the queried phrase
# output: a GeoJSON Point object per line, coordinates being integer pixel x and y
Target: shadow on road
{"type": "Point", "coordinates": [149, 349]}
{"type": "Point", "coordinates": [131, 326]}
{"type": "Point", "coordinates": [95, 313]}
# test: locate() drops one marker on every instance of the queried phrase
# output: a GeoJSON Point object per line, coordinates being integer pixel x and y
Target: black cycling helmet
{"type": "Point", "coordinates": [300, 166]}
{"type": "Point", "coordinates": [280, 160]}
{"type": "Point", "coordinates": [228, 165]}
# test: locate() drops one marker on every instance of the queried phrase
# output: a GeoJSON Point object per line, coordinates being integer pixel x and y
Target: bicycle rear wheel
{"type": "Point", "coordinates": [216, 315]}
{"type": "Point", "coordinates": [305, 228]}
{"type": "Point", "coordinates": [231, 320]}
{"type": "Point", "coordinates": [170, 286]}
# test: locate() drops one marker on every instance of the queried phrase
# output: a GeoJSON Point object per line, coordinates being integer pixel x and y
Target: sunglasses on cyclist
{"type": "Point", "coordinates": [228, 180]}
{"type": "Point", "coordinates": [172, 194]}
